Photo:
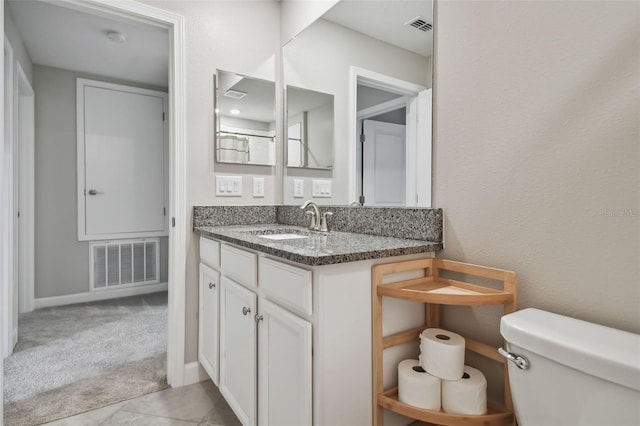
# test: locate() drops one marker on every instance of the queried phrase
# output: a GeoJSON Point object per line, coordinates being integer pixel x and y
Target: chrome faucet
{"type": "Point", "coordinates": [314, 224]}
{"type": "Point", "coordinates": [318, 222]}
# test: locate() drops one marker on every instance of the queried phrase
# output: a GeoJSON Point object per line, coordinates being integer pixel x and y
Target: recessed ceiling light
{"type": "Point", "coordinates": [235, 111]}
{"type": "Point", "coordinates": [116, 36]}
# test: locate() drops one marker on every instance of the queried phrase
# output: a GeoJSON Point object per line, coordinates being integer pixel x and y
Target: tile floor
{"type": "Point", "coordinates": [199, 404]}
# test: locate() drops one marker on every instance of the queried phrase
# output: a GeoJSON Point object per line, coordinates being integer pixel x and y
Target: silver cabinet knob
{"type": "Point", "coordinates": [246, 311]}
{"type": "Point", "coordinates": [259, 318]}
{"type": "Point", "coordinates": [95, 192]}
{"type": "Point", "coordinates": [212, 286]}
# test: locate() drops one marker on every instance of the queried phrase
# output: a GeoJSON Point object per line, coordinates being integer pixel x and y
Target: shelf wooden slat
{"type": "Point", "coordinates": [428, 290]}
{"type": "Point", "coordinates": [496, 416]}
{"type": "Point", "coordinates": [412, 335]}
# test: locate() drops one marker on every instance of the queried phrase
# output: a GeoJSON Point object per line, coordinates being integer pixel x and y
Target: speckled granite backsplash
{"type": "Point", "coordinates": [233, 215]}
{"type": "Point", "coordinates": [407, 222]}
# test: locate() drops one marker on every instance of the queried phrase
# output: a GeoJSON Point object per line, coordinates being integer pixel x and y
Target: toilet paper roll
{"type": "Point", "coordinates": [417, 387]}
{"type": "Point", "coordinates": [467, 395]}
{"type": "Point", "coordinates": [442, 353]}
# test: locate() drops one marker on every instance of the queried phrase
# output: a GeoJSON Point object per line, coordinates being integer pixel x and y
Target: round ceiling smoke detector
{"type": "Point", "coordinates": [116, 36]}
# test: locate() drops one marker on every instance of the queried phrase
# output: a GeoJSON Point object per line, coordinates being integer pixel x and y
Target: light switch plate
{"type": "Point", "coordinates": [229, 186]}
{"type": "Point", "coordinates": [258, 187]}
{"type": "Point", "coordinates": [298, 188]}
{"type": "Point", "coordinates": [321, 188]}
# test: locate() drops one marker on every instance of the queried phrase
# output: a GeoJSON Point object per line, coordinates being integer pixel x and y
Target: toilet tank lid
{"type": "Point", "coordinates": [605, 352]}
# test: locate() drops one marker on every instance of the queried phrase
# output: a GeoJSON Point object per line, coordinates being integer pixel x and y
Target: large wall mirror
{"type": "Point", "coordinates": [245, 127]}
{"type": "Point", "coordinates": [376, 59]}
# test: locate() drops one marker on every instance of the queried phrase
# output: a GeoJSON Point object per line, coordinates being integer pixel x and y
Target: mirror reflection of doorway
{"type": "Point", "coordinates": [394, 182]}
{"type": "Point", "coordinates": [382, 147]}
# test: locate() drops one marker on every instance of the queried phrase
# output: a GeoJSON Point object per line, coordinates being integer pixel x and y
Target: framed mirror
{"type": "Point", "coordinates": [309, 128]}
{"type": "Point", "coordinates": [376, 58]}
{"type": "Point", "coordinates": [245, 127]}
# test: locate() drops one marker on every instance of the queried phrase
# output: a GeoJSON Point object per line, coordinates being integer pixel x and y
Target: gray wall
{"type": "Point", "coordinates": [536, 153]}
{"type": "Point", "coordinates": [61, 261]}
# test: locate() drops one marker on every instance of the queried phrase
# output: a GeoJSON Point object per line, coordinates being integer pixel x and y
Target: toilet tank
{"type": "Point", "coordinates": [579, 373]}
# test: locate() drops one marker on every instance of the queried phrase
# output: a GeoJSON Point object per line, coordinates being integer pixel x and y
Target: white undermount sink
{"type": "Point", "coordinates": [283, 236]}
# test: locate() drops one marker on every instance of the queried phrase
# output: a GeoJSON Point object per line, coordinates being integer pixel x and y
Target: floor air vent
{"type": "Point", "coordinates": [124, 263]}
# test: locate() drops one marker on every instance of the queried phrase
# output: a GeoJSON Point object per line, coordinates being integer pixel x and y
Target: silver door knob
{"type": "Point", "coordinates": [212, 286]}
{"type": "Point", "coordinates": [246, 311]}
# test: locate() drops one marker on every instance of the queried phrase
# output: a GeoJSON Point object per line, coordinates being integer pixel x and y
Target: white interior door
{"type": "Point", "coordinates": [124, 161]}
{"type": "Point", "coordinates": [384, 163]}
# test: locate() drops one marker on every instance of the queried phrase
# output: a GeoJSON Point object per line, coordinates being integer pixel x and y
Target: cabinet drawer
{"type": "Point", "coordinates": [287, 284]}
{"type": "Point", "coordinates": [240, 265]}
{"type": "Point", "coordinates": [210, 252]}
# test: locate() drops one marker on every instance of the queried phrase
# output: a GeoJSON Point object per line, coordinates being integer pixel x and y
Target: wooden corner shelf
{"type": "Point", "coordinates": [434, 289]}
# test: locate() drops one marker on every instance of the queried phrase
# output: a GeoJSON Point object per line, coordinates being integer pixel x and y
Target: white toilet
{"type": "Point", "coordinates": [571, 372]}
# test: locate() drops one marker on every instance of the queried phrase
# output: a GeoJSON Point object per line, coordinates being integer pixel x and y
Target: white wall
{"type": "Point", "coordinates": [537, 153]}
{"type": "Point", "coordinates": [296, 15]}
{"type": "Point", "coordinates": [238, 36]}
{"type": "Point", "coordinates": [20, 53]}
{"type": "Point", "coordinates": [61, 261]}
{"type": "Point", "coordinates": [313, 61]}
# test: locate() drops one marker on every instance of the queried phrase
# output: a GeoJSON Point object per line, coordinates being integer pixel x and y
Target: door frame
{"type": "Point", "coordinates": [414, 195]}
{"type": "Point", "coordinates": [2, 282]}
{"type": "Point", "coordinates": [25, 125]}
{"type": "Point", "coordinates": [178, 211]}
{"type": "Point", "coordinates": [8, 207]}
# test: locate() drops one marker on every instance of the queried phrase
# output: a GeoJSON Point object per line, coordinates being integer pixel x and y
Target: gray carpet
{"type": "Point", "coordinates": [75, 358]}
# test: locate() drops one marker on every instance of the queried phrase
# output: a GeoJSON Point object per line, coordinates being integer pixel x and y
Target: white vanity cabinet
{"type": "Point", "coordinates": [238, 349]}
{"type": "Point", "coordinates": [284, 367]}
{"type": "Point", "coordinates": [295, 340]}
{"type": "Point", "coordinates": [208, 348]}
{"type": "Point", "coordinates": [208, 314]}
{"type": "Point", "coordinates": [265, 345]}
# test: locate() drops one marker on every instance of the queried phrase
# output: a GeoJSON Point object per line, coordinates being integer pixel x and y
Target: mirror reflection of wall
{"type": "Point", "coordinates": [245, 119]}
{"type": "Point", "coordinates": [309, 129]}
{"type": "Point", "coordinates": [359, 50]}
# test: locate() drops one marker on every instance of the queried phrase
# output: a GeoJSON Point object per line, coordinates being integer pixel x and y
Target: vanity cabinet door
{"type": "Point", "coordinates": [284, 367]}
{"type": "Point", "coordinates": [238, 340]}
{"type": "Point", "coordinates": [208, 325]}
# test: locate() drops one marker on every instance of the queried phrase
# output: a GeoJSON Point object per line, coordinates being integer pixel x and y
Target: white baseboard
{"type": "Point", "coordinates": [93, 296]}
{"type": "Point", "coordinates": [194, 373]}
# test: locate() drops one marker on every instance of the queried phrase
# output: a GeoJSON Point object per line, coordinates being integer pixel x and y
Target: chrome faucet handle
{"type": "Point", "coordinates": [312, 223]}
{"type": "Point", "coordinates": [323, 221]}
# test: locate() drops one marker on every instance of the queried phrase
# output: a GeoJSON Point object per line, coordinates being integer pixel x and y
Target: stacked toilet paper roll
{"type": "Point", "coordinates": [462, 389]}
{"type": "Point", "coordinates": [417, 387]}
{"type": "Point", "coordinates": [467, 395]}
{"type": "Point", "coordinates": [442, 353]}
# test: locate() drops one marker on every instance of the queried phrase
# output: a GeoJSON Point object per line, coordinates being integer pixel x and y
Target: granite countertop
{"type": "Point", "coordinates": [318, 248]}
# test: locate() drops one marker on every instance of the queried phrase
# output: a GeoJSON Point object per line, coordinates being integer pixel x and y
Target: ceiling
{"type": "Point", "coordinates": [257, 105]}
{"type": "Point", "coordinates": [385, 21]}
{"type": "Point", "coordinates": [65, 38]}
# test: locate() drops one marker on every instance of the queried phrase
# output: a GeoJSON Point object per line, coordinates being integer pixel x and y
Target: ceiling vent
{"type": "Point", "coordinates": [419, 23]}
{"type": "Point", "coordinates": [234, 94]}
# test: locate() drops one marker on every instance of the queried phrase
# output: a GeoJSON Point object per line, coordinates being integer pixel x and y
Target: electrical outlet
{"type": "Point", "coordinates": [298, 188]}
{"type": "Point", "coordinates": [258, 187]}
{"type": "Point", "coordinates": [229, 186]}
{"type": "Point", "coordinates": [321, 188]}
